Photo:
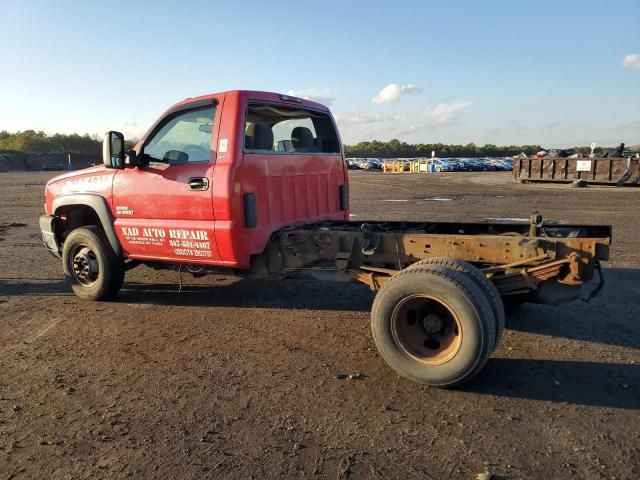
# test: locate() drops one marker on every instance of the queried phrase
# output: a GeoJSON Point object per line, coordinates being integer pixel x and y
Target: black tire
{"type": "Point", "coordinates": [91, 265]}
{"type": "Point", "coordinates": [480, 279]}
{"type": "Point", "coordinates": [459, 353]}
{"type": "Point", "coordinates": [484, 307]}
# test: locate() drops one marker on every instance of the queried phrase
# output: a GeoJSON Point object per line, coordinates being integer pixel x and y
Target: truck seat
{"type": "Point", "coordinates": [302, 140]}
{"type": "Point", "coordinates": [258, 136]}
{"type": "Point", "coordinates": [262, 137]}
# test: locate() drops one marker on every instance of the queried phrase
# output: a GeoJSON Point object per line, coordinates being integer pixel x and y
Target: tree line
{"type": "Point", "coordinates": [397, 149]}
{"type": "Point", "coordinates": [40, 142]}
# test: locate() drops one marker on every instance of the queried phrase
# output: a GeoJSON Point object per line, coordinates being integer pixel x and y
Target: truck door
{"type": "Point", "coordinates": [164, 211]}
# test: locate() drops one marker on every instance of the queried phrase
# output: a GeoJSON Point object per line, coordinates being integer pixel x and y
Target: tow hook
{"type": "Point", "coordinates": [371, 242]}
{"type": "Point", "coordinates": [573, 277]}
{"type": "Point", "coordinates": [535, 223]}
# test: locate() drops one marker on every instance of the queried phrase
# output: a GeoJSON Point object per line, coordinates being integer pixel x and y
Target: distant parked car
{"type": "Point", "coordinates": [444, 165]}
{"type": "Point", "coordinates": [456, 164]}
{"type": "Point", "coordinates": [364, 165]}
{"type": "Point", "coordinates": [503, 164]}
{"type": "Point", "coordinates": [374, 163]}
{"type": "Point", "coordinates": [461, 165]}
{"type": "Point", "coordinates": [476, 165]}
{"type": "Point", "coordinates": [489, 164]}
{"type": "Point", "coordinates": [352, 164]}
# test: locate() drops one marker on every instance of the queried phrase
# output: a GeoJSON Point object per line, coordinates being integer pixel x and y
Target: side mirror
{"type": "Point", "coordinates": [113, 150]}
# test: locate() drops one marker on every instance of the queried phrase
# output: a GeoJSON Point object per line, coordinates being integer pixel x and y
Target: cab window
{"type": "Point", "coordinates": [184, 138]}
{"type": "Point", "coordinates": [288, 130]}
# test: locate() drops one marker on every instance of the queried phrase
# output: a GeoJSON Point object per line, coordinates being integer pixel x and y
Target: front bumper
{"type": "Point", "coordinates": [47, 228]}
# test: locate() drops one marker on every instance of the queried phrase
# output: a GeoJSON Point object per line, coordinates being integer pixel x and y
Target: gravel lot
{"type": "Point", "coordinates": [236, 379]}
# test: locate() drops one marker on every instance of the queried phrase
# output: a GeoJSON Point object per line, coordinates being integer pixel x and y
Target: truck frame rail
{"type": "Point", "coordinates": [517, 257]}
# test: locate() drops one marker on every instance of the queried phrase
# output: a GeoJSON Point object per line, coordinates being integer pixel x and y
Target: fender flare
{"type": "Point", "coordinates": [100, 206]}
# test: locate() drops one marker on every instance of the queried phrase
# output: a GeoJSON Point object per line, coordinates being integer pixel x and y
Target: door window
{"type": "Point", "coordinates": [184, 138]}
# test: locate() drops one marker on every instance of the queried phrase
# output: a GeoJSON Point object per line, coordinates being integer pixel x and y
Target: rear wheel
{"type": "Point", "coordinates": [480, 279]}
{"type": "Point", "coordinates": [89, 262]}
{"type": "Point", "coordinates": [433, 326]}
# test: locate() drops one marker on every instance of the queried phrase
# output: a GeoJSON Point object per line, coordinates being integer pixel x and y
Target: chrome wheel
{"type": "Point", "coordinates": [84, 265]}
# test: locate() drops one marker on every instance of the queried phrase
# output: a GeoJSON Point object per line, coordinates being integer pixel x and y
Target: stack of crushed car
{"type": "Point", "coordinates": [431, 165]}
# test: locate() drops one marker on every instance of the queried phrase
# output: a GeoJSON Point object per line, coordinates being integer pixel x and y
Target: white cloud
{"type": "Point", "coordinates": [417, 124]}
{"type": "Point", "coordinates": [441, 113]}
{"type": "Point", "coordinates": [320, 95]}
{"type": "Point", "coordinates": [130, 130]}
{"type": "Point", "coordinates": [358, 119]}
{"type": "Point", "coordinates": [410, 88]}
{"type": "Point", "coordinates": [632, 61]}
{"type": "Point", "coordinates": [444, 112]}
{"type": "Point", "coordinates": [392, 92]}
{"type": "Point", "coordinates": [631, 126]}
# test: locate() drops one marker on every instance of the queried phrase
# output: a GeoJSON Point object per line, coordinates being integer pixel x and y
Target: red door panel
{"type": "Point", "coordinates": [158, 216]}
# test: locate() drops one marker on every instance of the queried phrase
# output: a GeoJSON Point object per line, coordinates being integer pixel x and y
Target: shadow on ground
{"type": "Point", "coordinates": [18, 286]}
{"type": "Point", "coordinates": [611, 318]}
{"type": "Point", "coordinates": [250, 293]}
{"type": "Point", "coordinates": [613, 385]}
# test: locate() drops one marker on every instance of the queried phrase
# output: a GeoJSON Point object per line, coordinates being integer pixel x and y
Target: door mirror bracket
{"type": "Point", "coordinates": [137, 161]}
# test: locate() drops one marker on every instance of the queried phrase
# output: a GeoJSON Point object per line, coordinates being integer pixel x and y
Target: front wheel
{"type": "Point", "coordinates": [89, 262]}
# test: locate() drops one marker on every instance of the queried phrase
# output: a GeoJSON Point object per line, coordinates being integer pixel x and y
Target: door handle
{"type": "Point", "coordinates": [198, 183]}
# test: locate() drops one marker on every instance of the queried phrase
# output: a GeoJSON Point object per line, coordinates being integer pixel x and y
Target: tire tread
{"type": "Point", "coordinates": [113, 272]}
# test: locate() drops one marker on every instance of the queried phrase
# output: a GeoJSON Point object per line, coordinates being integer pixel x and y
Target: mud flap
{"type": "Point", "coordinates": [594, 293]}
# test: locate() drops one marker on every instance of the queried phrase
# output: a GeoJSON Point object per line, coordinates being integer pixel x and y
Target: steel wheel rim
{"type": "Point", "coordinates": [84, 265]}
{"type": "Point", "coordinates": [426, 329]}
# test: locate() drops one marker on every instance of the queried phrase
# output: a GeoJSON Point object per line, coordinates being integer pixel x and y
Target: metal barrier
{"type": "Point", "coordinates": [605, 171]}
{"type": "Point", "coordinates": [408, 166]}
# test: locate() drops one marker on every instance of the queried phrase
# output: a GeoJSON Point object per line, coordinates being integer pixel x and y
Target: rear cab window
{"type": "Point", "coordinates": [279, 129]}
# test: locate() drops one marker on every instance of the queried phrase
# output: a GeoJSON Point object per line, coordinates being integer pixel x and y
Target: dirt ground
{"type": "Point", "coordinates": [236, 379]}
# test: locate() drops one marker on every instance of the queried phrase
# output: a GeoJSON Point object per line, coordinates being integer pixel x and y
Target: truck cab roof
{"type": "Point", "coordinates": [255, 95]}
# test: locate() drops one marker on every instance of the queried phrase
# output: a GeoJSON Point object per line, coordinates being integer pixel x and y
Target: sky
{"type": "Point", "coordinates": [553, 73]}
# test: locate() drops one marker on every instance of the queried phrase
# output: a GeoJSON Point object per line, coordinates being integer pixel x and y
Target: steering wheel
{"type": "Point", "coordinates": [198, 151]}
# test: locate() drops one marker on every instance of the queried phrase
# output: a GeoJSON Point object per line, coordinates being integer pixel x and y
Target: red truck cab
{"type": "Point", "coordinates": [212, 180]}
